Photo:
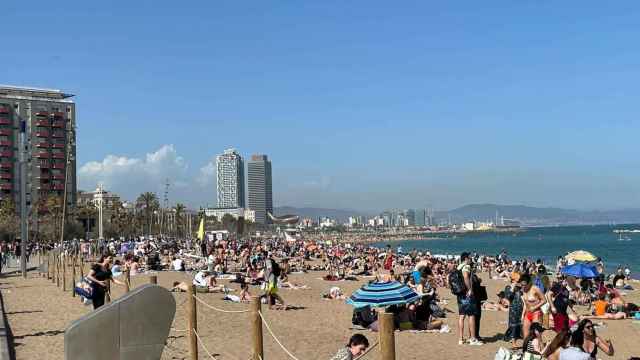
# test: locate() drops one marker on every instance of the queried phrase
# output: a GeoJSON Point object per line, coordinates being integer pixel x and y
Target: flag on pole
{"type": "Point", "coordinates": [201, 230]}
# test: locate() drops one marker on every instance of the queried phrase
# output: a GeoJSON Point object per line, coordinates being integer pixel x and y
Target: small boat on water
{"type": "Point", "coordinates": [626, 238]}
{"type": "Point", "coordinates": [626, 231]}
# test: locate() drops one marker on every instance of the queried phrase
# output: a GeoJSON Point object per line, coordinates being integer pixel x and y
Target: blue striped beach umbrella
{"type": "Point", "coordinates": [382, 294]}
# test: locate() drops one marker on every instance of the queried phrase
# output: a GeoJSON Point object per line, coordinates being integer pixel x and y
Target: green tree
{"type": "Point", "coordinates": [229, 222]}
{"type": "Point", "coordinates": [179, 213]}
{"type": "Point", "coordinates": [9, 220]}
{"type": "Point", "coordinates": [148, 203]}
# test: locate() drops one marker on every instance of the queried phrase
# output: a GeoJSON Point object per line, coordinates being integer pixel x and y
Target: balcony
{"type": "Point", "coordinates": [58, 134]}
{"type": "Point", "coordinates": [5, 121]}
{"type": "Point", "coordinates": [42, 123]}
{"type": "Point", "coordinates": [42, 133]}
{"type": "Point", "coordinates": [42, 155]}
{"type": "Point", "coordinates": [43, 176]}
{"type": "Point", "coordinates": [5, 175]}
{"type": "Point", "coordinates": [57, 146]}
{"type": "Point", "coordinates": [58, 124]}
{"type": "Point", "coordinates": [4, 110]}
{"type": "Point", "coordinates": [57, 176]}
{"type": "Point", "coordinates": [58, 186]}
{"type": "Point", "coordinates": [6, 165]}
{"type": "Point", "coordinates": [6, 153]}
{"type": "Point", "coordinates": [42, 144]}
{"type": "Point", "coordinates": [58, 166]}
{"type": "Point", "coordinates": [44, 187]}
{"type": "Point", "coordinates": [6, 186]}
{"type": "Point", "coordinates": [42, 113]}
{"type": "Point", "coordinates": [57, 155]}
{"type": "Point", "coordinates": [57, 114]}
{"type": "Point", "coordinates": [5, 143]}
{"type": "Point", "coordinates": [43, 164]}
{"type": "Point", "coordinates": [5, 132]}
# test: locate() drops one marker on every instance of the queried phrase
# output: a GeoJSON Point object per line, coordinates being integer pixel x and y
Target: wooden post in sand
{"type": "Point", "coordinates": [73, 276]}
{"type": "Point", "coordinates": [387, 336]}
{"type": "Point", "coordinates": [153, 279]}
{"type": "Point", "coordinates": [81, 267]}
{"type": "Point", "coordinates": [48, 266]}
{"type": "Point", "coordinates": [192, 322]}
{"type": "Point", "coordinates": [127, 281]}
{"type": "Point", "coordinates": [64, 273]}
{"type": "Point", "coordinates": [256, 329]}
{"type": "Point", "coordinates": [58, 270]}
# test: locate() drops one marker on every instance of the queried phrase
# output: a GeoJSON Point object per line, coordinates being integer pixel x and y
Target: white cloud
{"type": "Point", "coordinates": [207, 174]}
{"type": "Point", "coordinates": [132, 176]}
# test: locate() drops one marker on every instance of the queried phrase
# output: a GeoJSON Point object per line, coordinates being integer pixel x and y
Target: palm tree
{"type": "Point", "coordinates": [148, 202]}
{"type": "Point", "coordinates": [179, 211]}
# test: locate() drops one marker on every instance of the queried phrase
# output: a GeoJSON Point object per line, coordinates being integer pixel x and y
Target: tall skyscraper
{"type": "Point", "coordinates": [230, 189]}
{"type": "Point", "coordinates": [260, 190]}
{"type": "Point", "coordinates": [421, 215]}
{"type": "Point", "coordinates": [50, 119]}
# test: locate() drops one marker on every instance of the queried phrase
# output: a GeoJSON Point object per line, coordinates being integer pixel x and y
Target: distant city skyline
{"type": "Point", "coordinates": [365, 106]}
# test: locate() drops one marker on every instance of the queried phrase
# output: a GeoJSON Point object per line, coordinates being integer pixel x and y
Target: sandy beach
{"type": "Point", "coordinates": [38, 313]}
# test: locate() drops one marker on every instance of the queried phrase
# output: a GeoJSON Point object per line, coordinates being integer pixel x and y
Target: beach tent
{"type": "Point", "coordinates": [580, 270]}
{"type": "Point", "coordinates": [382, 294]}
{"type": "Point", "coordinates": [581, 255]}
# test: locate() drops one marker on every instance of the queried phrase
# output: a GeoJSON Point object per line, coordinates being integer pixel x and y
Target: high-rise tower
{"type": "Point", "coordinates": [230, 187]}
{"type": "Point", "coordinates": [260, 190]}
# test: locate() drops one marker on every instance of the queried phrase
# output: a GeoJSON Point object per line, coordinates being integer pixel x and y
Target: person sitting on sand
{"type": "Point", "coordinates": [501, 305]}
{"type": "Point", "coordinates": [593, 342]}
{"type": "Point", "coordinates": [600, 308]}
{"type": "Point", "coordinates": [285, 283]}
{"type": "Point", "coordinates": [357, 345]}
{"type": "Point", "coordinates": [335, 293]}
{"type": "Point", "coordinates": [533, 344]}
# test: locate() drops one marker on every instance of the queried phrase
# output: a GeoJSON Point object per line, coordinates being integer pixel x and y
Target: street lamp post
{"type": "Point", "coordinates": [23, 198]}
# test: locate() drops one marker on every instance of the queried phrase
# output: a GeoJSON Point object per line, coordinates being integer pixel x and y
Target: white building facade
{"type": "Point", "coordinates": [230, 176]}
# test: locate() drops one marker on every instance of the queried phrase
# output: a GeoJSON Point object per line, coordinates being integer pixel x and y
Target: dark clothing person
{"type": "Point", "coordinates": [99, 291]}
{"type": "Point", "coordinates": [514, 330]}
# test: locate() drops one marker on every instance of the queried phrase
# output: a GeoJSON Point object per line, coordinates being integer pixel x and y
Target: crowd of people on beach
{"type": "Point", "coordinates": [535, 300]}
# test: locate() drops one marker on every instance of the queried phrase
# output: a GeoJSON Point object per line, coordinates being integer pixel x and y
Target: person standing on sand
{"type": "Point", "coordinates": [357, 345]}
{"type": "Point", "coordinates": [99, 275]}
{"type": "Point", "coordinates": [467, 302]}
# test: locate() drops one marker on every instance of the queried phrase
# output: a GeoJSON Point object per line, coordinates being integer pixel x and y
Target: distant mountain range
{"type": "Point", "coordinates": [526, 215]}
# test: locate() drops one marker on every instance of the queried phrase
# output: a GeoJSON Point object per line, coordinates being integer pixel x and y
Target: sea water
{"type": "Point", "coordinates": [546, 243]}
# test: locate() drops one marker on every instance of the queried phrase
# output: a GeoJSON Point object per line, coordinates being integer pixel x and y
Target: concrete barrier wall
{"type": "Point", "coordinates": [133, 327]}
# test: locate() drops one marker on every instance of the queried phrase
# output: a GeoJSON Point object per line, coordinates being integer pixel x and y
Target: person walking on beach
{"type": "Point", "coordinates": [467, 302]}
{"type": "Point", "coordinates": [357, 345]}
{"type": "Point", "coordinates": [99, 275]}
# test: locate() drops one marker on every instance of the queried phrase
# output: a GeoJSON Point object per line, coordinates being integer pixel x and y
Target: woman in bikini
{"type": "Point", "coordinates": [593, 342]}
{"type": "Point", "coordinates": [533, 300]}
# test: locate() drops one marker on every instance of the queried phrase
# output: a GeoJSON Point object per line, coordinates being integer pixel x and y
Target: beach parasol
{"type": "Point", "coordinates": [581, 255]}
{"type": "Point", "coordinates": [382, 294]}
{"type": "Point", "coordinates": [580, 270]}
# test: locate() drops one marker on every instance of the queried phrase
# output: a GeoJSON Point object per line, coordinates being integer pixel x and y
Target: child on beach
{"type": "Point", "coordinates": [357, 345]}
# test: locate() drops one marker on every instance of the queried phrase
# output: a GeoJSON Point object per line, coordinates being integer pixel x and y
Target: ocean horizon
{"type": "Point", "coordinates": [546, 243]}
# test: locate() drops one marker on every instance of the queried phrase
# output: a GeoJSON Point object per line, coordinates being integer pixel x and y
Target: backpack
{"type": "Point", "coordinates": [456, 283]}
{"type": "Point", "coordinates": [363, 317]}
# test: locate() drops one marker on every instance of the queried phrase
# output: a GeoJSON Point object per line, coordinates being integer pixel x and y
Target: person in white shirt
{"type": "Point", "coordinates": [574, 351]}
{"type": "Point", "coordinates": [177, 264]}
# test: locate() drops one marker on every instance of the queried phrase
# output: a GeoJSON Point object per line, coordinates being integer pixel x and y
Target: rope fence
{"type": "Point", "coordinates": [202, 344]}
{"type": "Point", "coordinates": [266, 325]}
{"type": "Point", "coordinates": [217, 309]}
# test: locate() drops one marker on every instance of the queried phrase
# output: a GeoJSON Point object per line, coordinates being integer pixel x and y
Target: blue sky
{"type": "Point", "coordinates": [360, 104]}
